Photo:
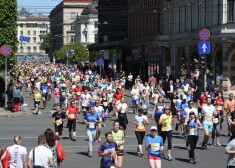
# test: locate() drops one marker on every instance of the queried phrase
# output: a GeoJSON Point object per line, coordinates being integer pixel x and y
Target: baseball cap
{"type": "Point", "coordinates": [153, 128]}
{"type": "Point", "coordinates": [140, 110]}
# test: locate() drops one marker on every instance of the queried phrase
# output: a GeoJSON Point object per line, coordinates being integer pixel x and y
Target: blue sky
{"type": "Point", "coordinates": [38, 6]}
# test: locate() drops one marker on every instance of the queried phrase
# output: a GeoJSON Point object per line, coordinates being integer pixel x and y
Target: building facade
{"type": "Point", "coordinates": [112, 34]}
{"type": "Point", "coordinates": [35, 27]}
{"type": "Point", "coordinates": [62, 19]}
{"type": "Point", "coordinates": [86, 25]}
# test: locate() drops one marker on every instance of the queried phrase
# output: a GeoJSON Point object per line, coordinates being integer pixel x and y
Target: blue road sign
{"type": "Point", "coordinates": [100, 62]}
{"type": "Point", "coordinates": [204, 47]}
{"type": "Point", "coordinates": [67, 54]}
{"type": "Point", "coordinates": [73, 50]}
{"type": "Point", "coordinates": [24, 38]}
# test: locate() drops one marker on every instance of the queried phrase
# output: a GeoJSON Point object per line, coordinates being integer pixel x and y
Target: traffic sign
{"type": "Point", "coordinates": [73, 50]}
{"type": "Point", "coordinates": [204, 34]}
{"type": "Point", "coordinates": [67, 51]}
{"type": "Point", "coordinates": [100, 62]}
{"type": "Point", "coordinates": [6, 50]}
{"type": "Point", "coordinates": [24, 38]}
{"type": "Point", "coordinates": [67, 54]}
{"type": "Point", "coordinates": [204, 47]}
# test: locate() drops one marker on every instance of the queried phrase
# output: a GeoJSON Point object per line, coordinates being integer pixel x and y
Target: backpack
{"type": "Point", "coordinates": [60, 152]}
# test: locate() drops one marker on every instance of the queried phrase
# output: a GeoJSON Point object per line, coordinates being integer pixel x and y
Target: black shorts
{"type": "Point", "coordinates": [59, 129]}
{"type": "Point", "coordinates": [120, 152]}
{"type": "Point", "coordinates": [37, 102]}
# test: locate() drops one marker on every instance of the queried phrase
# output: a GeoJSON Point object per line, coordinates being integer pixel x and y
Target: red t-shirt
{"type": "Point", "coordinates": [72, 113]}
{"type": "Point", "coordinates": [203, 100]}
{"type": "Point", "coordinates": [77, 92]}
{"type": "Point", "coordinates": [117, 96]}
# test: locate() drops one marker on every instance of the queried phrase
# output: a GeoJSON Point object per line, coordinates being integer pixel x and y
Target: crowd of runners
{"type": "Point", "coordinates": [77, 90]}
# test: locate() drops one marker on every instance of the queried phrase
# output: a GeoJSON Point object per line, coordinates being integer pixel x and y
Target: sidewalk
{"type": "Point", "coordinates": [8, 114]}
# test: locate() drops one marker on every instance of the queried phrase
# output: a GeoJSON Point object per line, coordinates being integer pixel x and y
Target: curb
{"type": "Point", "coordinates": [13, 115]}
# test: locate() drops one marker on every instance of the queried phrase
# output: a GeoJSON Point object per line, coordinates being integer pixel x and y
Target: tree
{"type": "Point", "coordinates": [8, 28]}
{"type": "Point", "coordinates": [79, 56]}
{"type": "Point", "coordinates": [45, 45]}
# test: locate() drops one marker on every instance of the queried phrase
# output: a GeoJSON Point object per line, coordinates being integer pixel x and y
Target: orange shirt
{"type": "Point", "coordinates": [228, 103]}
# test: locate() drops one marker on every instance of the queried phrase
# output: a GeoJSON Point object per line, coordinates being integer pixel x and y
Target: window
{"type": "Point", "coordinates": [34, 49]}
{"type": "Point", "coordinates": [231, 13]}
{"type": "Point", "coordinates": [21, 49]}
{"type": "Point", "coordinates": [21, 25]}
{"type": "Point", "coordinates": [72, 27]}
{"type": "Point", "coordinates": [21, 33]}
{"type": "Point", "coordinates": [72, 15]}
{"type": "Point", "coordinates": [28, 32]}
{"type": "Point", "coordinates": [72, 39]}
{"type": "Point", "coordinates": [34, 40]}
{"type": "Point", "coordinates": [29, 49]}
{"type": "Point", "coordinates": [34, 33]}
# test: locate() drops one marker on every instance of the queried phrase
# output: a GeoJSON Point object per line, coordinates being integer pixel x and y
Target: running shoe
{"type": "Point", "coordinates": [205, 146]}
{"type": "Point", "coordinates": [193, 161]}
{"type": "Point", "coordinates": [96, 140]}
{"type": "Point", "coordinates": [39, 113]}
{"type": "Point", "coordinates": [99, 140]}
{"type": "Point", "coordinates": [203, 143]}
{"type": "Point", "coordinates": [162, 156]}
{"type": "Point", "coordinates": [176, 126]}
{"type": "Point", "coordinates": [169, 157]}
{"type": "Point", "coordinates": [90, 154]}
{"type": "Point", "coordinates": [218, 144]}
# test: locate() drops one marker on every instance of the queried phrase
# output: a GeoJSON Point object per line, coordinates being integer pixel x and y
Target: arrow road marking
{"type": "Point", "coordinates": [204, 47]}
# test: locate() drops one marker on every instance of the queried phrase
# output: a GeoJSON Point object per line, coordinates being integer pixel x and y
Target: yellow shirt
{"type": "Point", "coordinates": [166, 125]}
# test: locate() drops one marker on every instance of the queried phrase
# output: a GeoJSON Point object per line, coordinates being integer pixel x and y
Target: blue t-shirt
{"type": "Point", "coordinates": [193, 130]}
{"type": "Point", "coordinates": [182, 106]}
{"type": "Point", "coordinates": [91, 119]}
{"type": "Point", "coordinates": [45, 89]}
{"type": "Point", "coordinates": [156, 143]}
{"type": "Point", "coordinates": [159, 110]}
{"type": "Point", "coordinates": [63, 91]}
{"type": "Point", "coordinates": [108, 160]}
{"type": "Point", "coordinates": [144, 103]}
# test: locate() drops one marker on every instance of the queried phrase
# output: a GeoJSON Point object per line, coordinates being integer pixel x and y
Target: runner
{"type": "Point", "coordinates": [57, 95]}
{"type": "Point", "coordinates": [58, 118]}
{"type": "Point", "coordinates": [99, 110]}
{"type": "Point", "coordinates": [104, 103]}
{"type": "Point", "coordinates": [157, 112]}
{"type": "Point", "coordinates": [193, 124]}
{"type": "Point", "coordinates": [108, 152]}
{"type": "Point", "coordinates": [85, 98]}
{"type": "Point", "coordinates": [44, 90]}
{"type": "Point", "coordinates": [229, 107]}
{"type": "Point", "coordinates": [154, 145]}
{"type": "Point", "coordinates": [140, 122]}
{"type": "Point", "coordinates": [122, 117]}
{"type": "Point", "coordinates": [166, 130]}
{"type": "Point", "coordinates": [72, 117]}
{"type": "Point", "coordinates": [117, 98]}
{"type": "Point", "coordinates": [91, 120]}
{"type": "Point", "coordinates": [135, 98]}
{"type": "Point", "coordinates": [208, 113]}
{"type": "Point", "coordinates": [37, 97]}
{"type": "Point", "coordinates": [144, 105]}
{"type": "Point", "coordinates": [110, 102]}
{"type": "Point", "coordinates": [182, 114]}
{"type": "Point", "coordinates": [219, 102]}
{"type": "Point", "coordinates": [119, 139]}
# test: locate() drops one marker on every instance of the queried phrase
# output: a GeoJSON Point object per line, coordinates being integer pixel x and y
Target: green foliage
{"type": "Point", "coordinates": [45, 45]}
{"type": "Point", "coordinates": [79, 56]}
{"type": "Point", "coordinates": [94, 55]}
{"type": "Point", "coordinates": [8, 27]}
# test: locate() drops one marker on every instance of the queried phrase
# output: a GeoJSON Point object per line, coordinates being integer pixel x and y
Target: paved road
{"type": "Point", "coordinates": [31, 126]}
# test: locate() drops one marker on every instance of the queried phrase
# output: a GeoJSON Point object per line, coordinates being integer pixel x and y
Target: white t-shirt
{"type": "Point", "coordinates": [208, 113]}
{"type": "Point", "coordinates": [140, 121]}
{"type": "Point", "coordinates": [41, 155]}
{"type": "Point", "coordinates": [99, 111]}
{"type": "Point", "coordinates": [187, 111]}
{"type": "Point", "coordinates": [135, 94]}
{"type": "Point", "coordinates": [16, 153]}
{"type": "Point", "coordinates": [85, 99]}
{"type": "Point", "coordinates": [122, 107]}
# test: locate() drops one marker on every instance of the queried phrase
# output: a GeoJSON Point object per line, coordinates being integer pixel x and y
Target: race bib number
{"type": "Point", "coordinates": [63, 93]}
{"type": "Point", "coordinates": [123, 110]}
{"type": "Point", "coordinates": [78, 93]}
{"type": "Point", "coordinates": [94, 97]}
{"type": "Point", "coordinates": [58, 122]}
{"type": "Point", "coordinates": [117, 101]}
{"type": "Point", "coordinates": [110, 99]}
{"type": "Point", "coordinates": [105, 103]}
{"type": "Point", "coordinates": [160, 108]}
{"type": "Point", "coordinates": [44, 90]}
{"type": "Point", "coordinates": [203, 104]}
{"type": "Point", "coordinates": [144, 106]}
{"type": "Point", "coordinates": [192, 131]}
{"type": "Point", "coordinates": [208, 116]}
{"type": "Point", "coordinates": [215, 120]}
{"type": "Point", "coordinates": [219, 108]}
{"type": "Point", "coordinates": [71, 116]}
{"type": "Point", "coordinates": [155, 146]}
{"type": "Point", "coordinates": [140, 126]}
{"type": "Point", "coordinates": [84, 102]}
{"type": "Point", "coordinates": [91, 125]}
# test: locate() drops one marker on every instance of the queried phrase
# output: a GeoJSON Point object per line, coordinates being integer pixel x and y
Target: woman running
{"type": "Point", "coordinates": [119, 138]}
{"type": "Point", "coordinates": [157, 112]}
{"type": "Point", "coordinates": [192, 135]}
{"type": "Point", "coordinates": [154, 145]}
{"type": "Point", "coordinates": [140, 122]}
{"type": "Point", "coordinates": [72, 117]}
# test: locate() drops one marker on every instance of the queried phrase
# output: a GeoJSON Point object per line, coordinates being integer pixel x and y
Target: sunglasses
{"type": "Point", "coordinates": [153, 130]}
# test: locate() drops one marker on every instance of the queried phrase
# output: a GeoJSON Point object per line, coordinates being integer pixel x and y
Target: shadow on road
{"type": "Point", "coordinates": [131, 153]}
{"type": "Point", "coordinates": [183, 160]}
{"type": "Point", "coordinates": [82, 153]}
{"type": "Point", "coordinates": [180, 147]}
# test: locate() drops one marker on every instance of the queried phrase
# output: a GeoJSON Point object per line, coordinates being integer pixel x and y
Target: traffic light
{"type": "Point", "coordinates": [203, 61]}
{"type": "Point", "coordinates": [10, 63]}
